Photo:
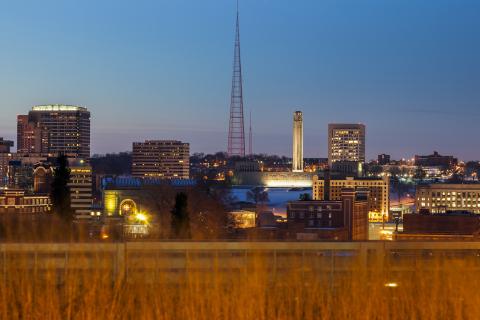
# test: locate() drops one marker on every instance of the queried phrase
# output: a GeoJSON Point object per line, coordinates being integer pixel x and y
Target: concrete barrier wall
{"type": "Point", "coordinates": [120, 259]}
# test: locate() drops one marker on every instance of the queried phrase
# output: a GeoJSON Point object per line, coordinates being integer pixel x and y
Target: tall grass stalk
{"type": "Point", "coordinates": [85, 287]}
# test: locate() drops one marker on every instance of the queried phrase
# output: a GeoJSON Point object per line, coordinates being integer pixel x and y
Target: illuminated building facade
{"type": "Point", "coordinates": [130, 203]}
{"type": "Point", "coordinates": [443, 197]}
{"type": "Point", "coordinates": [346, 143]}
{"type": "Point", "coordinates": [81, 186]}
{"type": "Point", "coordinates": [9, 159]}
{"type": "Point", "coordinates": [297, 159]}
{"type": "Point", "coordinates": [17, 201]}
{"type": "Point", "coordinates": [378, 187]}
{"type": "Point", "coordinates": [165, 159]}
{"type": "Point", "coordinates": [242, 219]}
{"type": "Point", "coordinates": [55, 129]}
{"type": "Point", "coordinates": [4, 160]}
{"type": "Point", "coordinates": [136, 201]}
{"type": "Point", "coordinates": [42, 179]}
{"type": "Point", "coordinates": [274, 179]}
{"type": "Point", "coordinates": [125, 201]}
{"type": "Point", "coordinates": [343, 219]}
{"type": "Point", "coordinates": [31, 137]}
{"type": "Point", "coordinates": [20, 175]}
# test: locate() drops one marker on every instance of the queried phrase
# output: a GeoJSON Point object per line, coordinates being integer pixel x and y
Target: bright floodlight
{"type": "Point", "coordinates": [141, 217]}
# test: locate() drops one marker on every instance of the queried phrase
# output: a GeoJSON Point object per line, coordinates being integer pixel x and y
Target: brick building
{"type": "Point", "coordinates": [344, 219]}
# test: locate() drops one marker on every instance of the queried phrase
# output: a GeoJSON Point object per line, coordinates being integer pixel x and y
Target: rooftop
{"type": "Point", "coordinates": [160, 142]}
{"type": "Point", "coordinates": [58, 107]}
{"type": "Point", "coordinates": [6, 142]}
{"type": "Point", "coordinates": [129, 182]}
{"type": "Point", "coordinates": [449, 186]}
{"type": "Point", "coordinates": [334, 176]}
{"type": "Point", "coordinates": [450, 213]}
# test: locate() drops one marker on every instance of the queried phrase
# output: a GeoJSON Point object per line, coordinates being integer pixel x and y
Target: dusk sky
{"type": "Point", "coordinates": [408, 69]}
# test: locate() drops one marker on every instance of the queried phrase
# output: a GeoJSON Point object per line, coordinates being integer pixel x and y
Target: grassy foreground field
{"type": "Point", "coordinates": [90, 286]}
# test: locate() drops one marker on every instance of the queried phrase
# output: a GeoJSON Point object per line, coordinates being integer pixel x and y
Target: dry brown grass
{"type": "Point", "coordinates": [241, 288]}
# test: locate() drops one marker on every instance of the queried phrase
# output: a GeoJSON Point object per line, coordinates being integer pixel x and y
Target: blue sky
{"type": "Point", "coordinates": [409, 70]}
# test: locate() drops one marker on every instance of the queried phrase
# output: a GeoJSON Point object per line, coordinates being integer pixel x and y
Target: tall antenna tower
{"type": "Point", "coordinates": [236, 128]}
{"type": "Point", "coordinates": [250, 139]}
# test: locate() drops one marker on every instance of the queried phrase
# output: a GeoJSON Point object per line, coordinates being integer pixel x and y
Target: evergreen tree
{"type": "Point", "coordinates": [180, 217]}
{"type": "Point", "coordinates": [305, 197]}
{"type": "Point", "coordinates": [60, 194]}
{"type": "Point", "coordinates": [258, 196]}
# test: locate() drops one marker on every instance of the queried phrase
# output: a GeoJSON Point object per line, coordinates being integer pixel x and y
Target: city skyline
{"type": "Point", "coordinates": [415, 89]}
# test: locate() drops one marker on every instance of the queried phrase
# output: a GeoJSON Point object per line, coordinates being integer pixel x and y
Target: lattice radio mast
{"type": "Point", "coordinates": [236, 128]}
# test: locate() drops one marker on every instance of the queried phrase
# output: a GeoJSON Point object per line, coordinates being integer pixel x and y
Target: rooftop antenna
{"type": "Point", "coordinates": [250, 139]}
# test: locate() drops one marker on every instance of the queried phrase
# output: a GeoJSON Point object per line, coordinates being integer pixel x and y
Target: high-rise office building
{"type": "Point", "coordinates": [81, 188]}
{"type": "Point", "coordinates": [164, 159]}
{"type": "Point", "coordinates": [297, 159]}
{"type": "Point", "coordinates": [346, 142]}
{"type": "Point", "coordinates": [346, 147]}
{"type": "Point", "coordinates": [30, 136]}
{"type": "Point", "coordinates": [55, 129]}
